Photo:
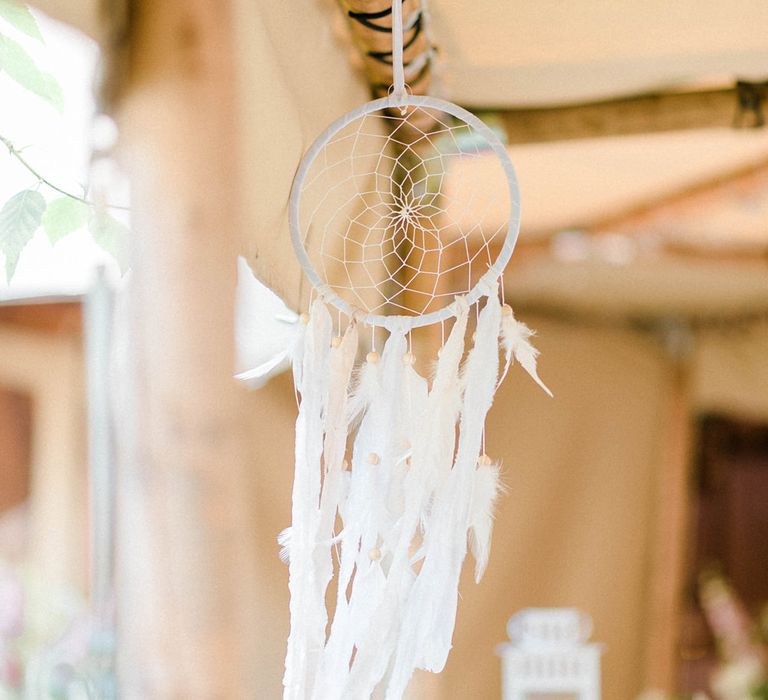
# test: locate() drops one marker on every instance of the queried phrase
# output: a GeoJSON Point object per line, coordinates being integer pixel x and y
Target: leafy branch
{"type": "Point", "coordinates": [16, 153]}
{"type": "Point", "coordinates": [16, 62]}
{"type": "Point", "coordinates": [24, 213]}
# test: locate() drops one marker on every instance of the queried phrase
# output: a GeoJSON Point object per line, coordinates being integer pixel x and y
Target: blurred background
{"type": "Point", "coordinates": [639, 495]}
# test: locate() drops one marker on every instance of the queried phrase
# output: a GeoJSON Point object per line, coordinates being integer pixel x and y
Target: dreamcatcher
{"type": "Point", "coordinates": [395, 231]}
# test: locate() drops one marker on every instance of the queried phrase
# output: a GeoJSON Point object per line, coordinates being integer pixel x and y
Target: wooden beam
{"type": "Point", "coordinates": [640, 114]}
{"type": "Point", "coordinates": [53, 317]}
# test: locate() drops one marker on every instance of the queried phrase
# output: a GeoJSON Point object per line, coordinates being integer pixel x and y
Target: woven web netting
{"type": "Point", "coordinates": [399, 213]}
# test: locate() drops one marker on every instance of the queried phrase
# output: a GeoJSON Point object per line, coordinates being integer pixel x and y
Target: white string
{"type": "Point", "coordinates": [398, 71]}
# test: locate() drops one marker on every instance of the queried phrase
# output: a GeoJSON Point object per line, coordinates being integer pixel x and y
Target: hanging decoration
{"type": "Point", "coordinates": [395, 231]}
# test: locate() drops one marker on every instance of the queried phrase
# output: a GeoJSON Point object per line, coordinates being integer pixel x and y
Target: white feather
{"type": "Point", "coordinates": [266, 330]}
{"type": "Point", "coordinates": [336, 423]}
{"type": "Point", "coordinates": [259, 374]}
{"type": "Point", "coordinates": [334, 481]}
{"type": "Point", "coordinates": [515, 337]}
{"type": "Point", "coordinates": [403, 500]}
{"type": "Point", "coordinates": [414, 483]}
{"type": "Point", "coordinates": [379, 435]}
{"type": "Point", "coordinates": [307, 633]}
{"type": "Point", "coordinates": [454, 501]}
{"type": "Point", "coordinates": [486, 487]}
{"type": "Point", "coordinates": [284, 540]}
{"type": "Point", "coordinates": [430, 611]}
{"type": "Point", "coordinates": [363, 512]}
{"type": "Point", "coordinates": [365, 387]}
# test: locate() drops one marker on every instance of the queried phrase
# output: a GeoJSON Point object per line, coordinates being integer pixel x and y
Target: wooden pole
{"type": "Point", "coordinates": [638, 114]}
{"type": "Point", "coordinates": [187, 595]}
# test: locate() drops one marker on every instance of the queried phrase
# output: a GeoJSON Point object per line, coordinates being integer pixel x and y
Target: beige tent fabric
{"type": "Point", "coordinates": [730, 371]}
{"type": "Point", "coordinates": [549, 52]}
{"type": "Point", "coordinates": [272, 414]}
{"type": "Point", "coordinates": [575, 528]}
{"type": "Point", "coordinates": [297, 79]}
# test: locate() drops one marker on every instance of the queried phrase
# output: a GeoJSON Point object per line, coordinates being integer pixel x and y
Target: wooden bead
{"type": "Point", "coordinates": [373, 458]}
{"type": "Point", "coordinates": [304, 318]}
{"type": "Point", "coordinates": [374, 554]}
{"type": "Point", "coordinates": [336, 341]}
{"type": "Point", "coordinates": [372, 357]}
{"type": "Point", "coordinates": [484, 460]}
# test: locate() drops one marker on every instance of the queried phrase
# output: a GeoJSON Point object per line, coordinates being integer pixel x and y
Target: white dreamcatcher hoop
{"type": "Point", "coordinates": [402, 102]}
{"type": "Point", "coordinates": [389, 239]}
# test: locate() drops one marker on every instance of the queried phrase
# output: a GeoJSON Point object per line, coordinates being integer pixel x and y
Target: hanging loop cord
{"type": "Point", "coordinates": [398, 72]}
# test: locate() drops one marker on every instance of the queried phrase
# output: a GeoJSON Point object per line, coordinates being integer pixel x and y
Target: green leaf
{"type": "Point", "coordinates": [111, 235]}
{"type": "Point", "coordinates": [63, 216]}
{"type": "Point", "coordinates": [20, 66]}
{"type": "Point", "coordinates": [20, 17]}
{"type": "Point", "coordinates": [19, 219]}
